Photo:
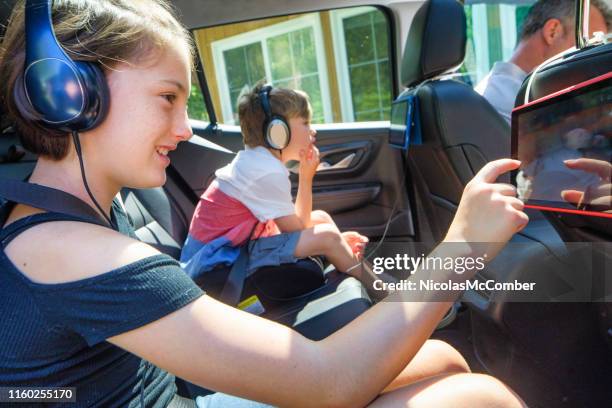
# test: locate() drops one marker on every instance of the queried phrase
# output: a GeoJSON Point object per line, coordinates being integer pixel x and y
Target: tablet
{"type": "Point", "coordinates": [564, 143]}
{"type": "Point", "coordinates": [405, 128]}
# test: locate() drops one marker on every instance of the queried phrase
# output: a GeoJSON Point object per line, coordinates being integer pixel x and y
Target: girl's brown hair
{"type": "Point", "coordinates": [107, 32]}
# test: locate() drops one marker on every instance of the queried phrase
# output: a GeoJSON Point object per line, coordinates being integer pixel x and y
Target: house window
{"type": "Point", "coordinates": [361, 41]}
{"type": "Point", "coordinates": [288, 54]}
{"type": "Point", "coordinates": [244, 66]}
{"type": "Point", "coordinates": [340, 58]}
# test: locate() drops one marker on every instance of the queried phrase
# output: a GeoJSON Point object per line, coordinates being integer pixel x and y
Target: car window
{"type": "Point", "coordinates": [492, 32]}
{"type": "Point", "coordinates": [196, 109]}
{"type": "Point", "coordinates": [339, 57]}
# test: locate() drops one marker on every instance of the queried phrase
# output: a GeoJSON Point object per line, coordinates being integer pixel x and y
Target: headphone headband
{"type": "Point", "coordinates": [40, 38]}
{"type": "Point", "coordinates": [264, 97]}
{"type": "Point", "coordinates": [276, 130]}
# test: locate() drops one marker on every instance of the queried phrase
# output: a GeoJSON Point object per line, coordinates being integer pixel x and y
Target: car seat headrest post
{"type": "Point", "coordinates": [582, 23]}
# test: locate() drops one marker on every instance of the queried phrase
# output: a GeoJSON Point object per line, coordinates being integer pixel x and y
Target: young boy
{"type": "Point", "coordinates": [250, 199]}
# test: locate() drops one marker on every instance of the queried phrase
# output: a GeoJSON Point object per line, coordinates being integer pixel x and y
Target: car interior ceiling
{"type": "Point", "coordinates": [217, 12]}
{"type": "Point", "coordinates": [569, 354]}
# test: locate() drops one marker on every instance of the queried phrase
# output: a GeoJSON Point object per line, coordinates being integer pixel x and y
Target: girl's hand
{"type": "Point", "coordinates": [596, 197]}
{"type": "Point", "coordinates": [309, 161]}
{"type": "Point", "coordinates": [489, 213]}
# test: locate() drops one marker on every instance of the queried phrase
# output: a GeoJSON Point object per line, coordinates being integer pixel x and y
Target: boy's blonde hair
{"type": "Point", "coordinates": [288, 103]}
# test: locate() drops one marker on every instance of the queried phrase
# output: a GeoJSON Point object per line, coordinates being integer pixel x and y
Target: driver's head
{"type": "Point", "coordinates": [553, 23]}
{"type": "Point", "coordinates": [146, 56]}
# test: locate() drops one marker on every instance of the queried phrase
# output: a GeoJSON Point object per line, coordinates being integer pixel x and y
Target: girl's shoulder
{"type": "Point", "coordinates": [64, 251]}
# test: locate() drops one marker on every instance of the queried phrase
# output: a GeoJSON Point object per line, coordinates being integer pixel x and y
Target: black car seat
{"type": "Point", "coordinates": [157, 220]}
{"type": "Point", "coordinates": [460, 130]}
{"type": "Point", "coordinates": [574, 68]}
{"type": "Point", "coordinates": [586, 347]}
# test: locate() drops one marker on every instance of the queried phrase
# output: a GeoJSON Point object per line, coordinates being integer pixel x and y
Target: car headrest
{"type": "Point", "coordinates": [574, 68]}
{"type": "Point", "coordinates": [436, 41]}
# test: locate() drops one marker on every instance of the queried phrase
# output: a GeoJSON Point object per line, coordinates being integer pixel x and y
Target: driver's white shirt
{"type": "Point", "coordinates": [501, 86]}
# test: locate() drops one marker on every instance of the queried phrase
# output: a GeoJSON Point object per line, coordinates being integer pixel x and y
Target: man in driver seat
{"type": "Point", "coordinates": [548, 30]}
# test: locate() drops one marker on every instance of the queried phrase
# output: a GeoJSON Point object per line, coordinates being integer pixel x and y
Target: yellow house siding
{"type": "Point", "coordinates": [205, 52]}
{"type": "Point", "coordinates": [332, 77]}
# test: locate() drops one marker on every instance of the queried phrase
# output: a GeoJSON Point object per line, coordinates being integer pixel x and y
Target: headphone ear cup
{"type": "Point", "coordinates": [22, 103]}
{"type": "Point", "coordinates": [278, 134]}
{"type": "Point", "coordinates": [97, 97]}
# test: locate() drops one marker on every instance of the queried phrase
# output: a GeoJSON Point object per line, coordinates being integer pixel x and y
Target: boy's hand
{"type": "Point", "coordinates": [309, 161]}
{"type": "Point", "coordinates": [489, 212]}
{"type": "Point", "coordinates": [356, 241]}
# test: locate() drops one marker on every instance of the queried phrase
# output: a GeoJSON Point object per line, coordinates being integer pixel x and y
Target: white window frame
{"type": "Point", "coordinates": [507, 20]}
{"type": "Point", "coordinates": [342, 66]}
{"type": "Point", "coordinates": [480, 36]}
{"type": "Point", "coordinates": [480, 24]}
{"type": "Point", "coordinates": [260, 35]}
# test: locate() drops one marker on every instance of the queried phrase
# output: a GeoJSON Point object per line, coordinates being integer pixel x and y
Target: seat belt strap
{"type": "Point", "coordinates": [232, 290]}
{"type": "Point", "coordinates": [49, 199]}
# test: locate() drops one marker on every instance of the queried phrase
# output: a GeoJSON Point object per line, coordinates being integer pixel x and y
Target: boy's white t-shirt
{"type": "Point", "coordinates": [259, 181]}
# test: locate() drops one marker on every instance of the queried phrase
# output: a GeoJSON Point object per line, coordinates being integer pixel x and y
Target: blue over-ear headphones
{"type": "Point", "coordinates": [55, 91]}
{"type": "Point", "coordinates": [276, 130]}
{"type": "Point", "coordinates": [63, 94]}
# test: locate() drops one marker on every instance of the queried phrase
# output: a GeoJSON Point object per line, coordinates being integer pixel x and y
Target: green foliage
{"type": "Point", "coordinates": [521, 13]}
{"type": "Point", "coordinates": [367, 48]}
{"type": "Point", "coordinates": [195, 105]}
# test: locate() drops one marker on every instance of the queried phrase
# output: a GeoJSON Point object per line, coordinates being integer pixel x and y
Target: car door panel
{"type": "Point", "coordinates": [361, 196]}
{"type": "Point", "coordinates": [343, 159]}
{"type": "Point", "coordinates": [337, 199]}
